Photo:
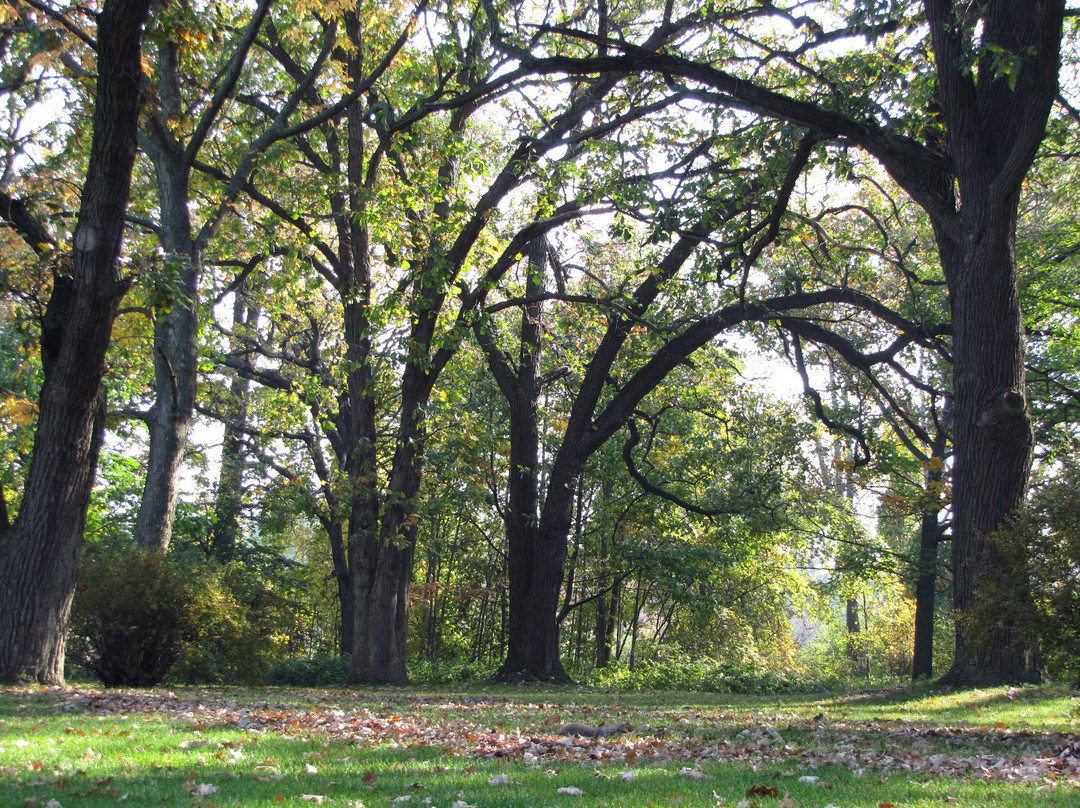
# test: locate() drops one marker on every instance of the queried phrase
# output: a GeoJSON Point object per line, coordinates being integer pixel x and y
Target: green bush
{"type": "Point", "coordinates": [450, 671]}
{"type": "Point", "coordinates": [1043, 599]}
{"type": "Point", "coordinates": [319, 671]}
{"type": "Point", "coordinates": [241, 633]}
{"type": "Point", "coordinates": [676, 671]}
{"type": "Point", "coordinates": [135, 612]}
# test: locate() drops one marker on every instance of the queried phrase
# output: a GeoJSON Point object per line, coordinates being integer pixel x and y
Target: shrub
{"type": "Point", "coordinates": [450, 671]}
{"type": "Point", "coordinates": [135, 612]}
{"type": "Point", "coordinates": [670, 669]}
{"type": "Point", "coordinates": [318, 671]}
{"type": "Point", "coordinates": [1044, 601]}
{"type": "Point", "coordinates": [241, 633]}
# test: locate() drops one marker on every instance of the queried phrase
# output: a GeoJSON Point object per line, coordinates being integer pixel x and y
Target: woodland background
{"type": "Point", "coordinates": [443, 342]}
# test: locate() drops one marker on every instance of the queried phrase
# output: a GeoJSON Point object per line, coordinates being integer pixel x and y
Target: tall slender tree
{"type": "Point", "coordinates": [174, 140]}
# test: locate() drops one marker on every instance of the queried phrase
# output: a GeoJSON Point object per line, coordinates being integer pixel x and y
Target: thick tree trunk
{"type": "Point", "coordinates": [995, 122]}
{"type": "Point", "coordinates": [536, 561]}
{"type": "Point", "coordinates": [382, 576]}
{"type": "Point", "coordinates": [536, 570]}
{"type": "Point", "coordinates": [381, 564]}
{"type": "Point", "coordinates": [993, 438]}
{"type": "Point", "coordinates": [39, 554]}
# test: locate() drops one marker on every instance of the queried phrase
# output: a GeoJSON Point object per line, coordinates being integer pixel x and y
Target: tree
{"type": "Point", "coordinates": [174, 139]}
{"type": "Point", "coordinates": [405, 174]}
{"type": "Point", "coordinates": [896, 420]}
{"type": "Point", "coordinates": [226, 534]}
{"type": "Point", "coordinates": [39, 552]}
{"type": "Point", "coordinates": [644, 332]}
{"type": "Point", "coordinates": [958, 134]}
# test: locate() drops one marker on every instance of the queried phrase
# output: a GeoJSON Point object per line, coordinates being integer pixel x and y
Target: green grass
{"type": "Point", "coordinates": [221, 747]}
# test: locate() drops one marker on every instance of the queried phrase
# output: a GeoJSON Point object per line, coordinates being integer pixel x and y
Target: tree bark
{"type": "Point", "coordinates": [226, 534]}
{"type": "Point", "coordinates": [339, 558]}
{"type": "Point", "coordinates": [534, 584]}
{"type": "Point", "coordinates": [994, 130]}
{"type": "Point", "coordinates": [931, 535]}
{"type": "Point", "coordinates": [922, 659]}
{"type": "Point", "coordinates": [176, 330]}
{"type": "Point", "coordinates": [175, 363]}
{"type": "Point", "coordinates": [39, 554]}
{"type": "Point", "coordinates": [607, 605]}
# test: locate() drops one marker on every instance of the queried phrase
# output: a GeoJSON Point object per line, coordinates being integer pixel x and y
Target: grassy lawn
{"type": "Point", "coordinates": [494, 747]}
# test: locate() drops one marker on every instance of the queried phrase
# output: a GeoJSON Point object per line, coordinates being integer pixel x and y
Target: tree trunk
{"type": "Point", "coordinates": [993, 438]}
{"type": "Point", "coordinates": [931, 534]}
{"type": "Point", "coordinates": [922, 664]}
{"type": "Point", "coordinates": [606, 606]}
{"type": "Point", "coordinates": [851, 618]}
{"type": "Point", "coordinates": [339, 557]}
{"type": "Point", "coordinates": [381, 564]}
{"type": "Point", "coordinates": [225, 535]}
{"type": "Point", "coordinates": [176, 332]}
{"type": "Point", "coordinates": [533, 631]}
{"type": "Point", "coordinates": [39, 554]}
{"type": "Point", "coordinates": [995, 126]}
{"type": "Point", "coordinates": [382, 576]}
{"type": "Point", "coordinates": [175, 336]}
{"type": "Point", "coordinates": [536, 567]}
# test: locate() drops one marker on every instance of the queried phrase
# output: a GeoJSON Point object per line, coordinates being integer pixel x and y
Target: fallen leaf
{"type": "Point", "coordinates": [572, 790]}
{"type": "Point", "coordinates": [628, 776]}
{"type": "Point", "coordinates": [204, 790]}
{"type": "Point", "coordinates": [763, 791]}
{"type": "Point", "coordinates": [499, 780]}
{"type": "Point", "coordinates": [369, 777]}
{"type": "Point", "coordinates": [310, 769]}
{"type": "Point", "coordinates": [315, 798]}
{"type": "Point", "coordinates": [787, 802]}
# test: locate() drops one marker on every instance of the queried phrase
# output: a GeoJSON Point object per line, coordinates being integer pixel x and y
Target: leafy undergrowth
{"type": "Point", "coordinates": [496, 748]}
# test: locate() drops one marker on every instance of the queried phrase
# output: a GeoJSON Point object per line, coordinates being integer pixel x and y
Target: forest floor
{"type": "Point", "coordinates": [496, 747]}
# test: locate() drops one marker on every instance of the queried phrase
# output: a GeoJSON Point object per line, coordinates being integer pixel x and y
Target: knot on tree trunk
{"type": "Point", "coordinates": [1005, 419]}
